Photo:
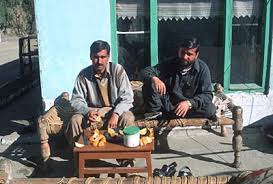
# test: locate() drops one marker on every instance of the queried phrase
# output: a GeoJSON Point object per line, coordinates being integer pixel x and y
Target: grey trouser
{"type": "Point", "coordinates": [125, 119]}
{"type": "Point", "coordinates": [49, 123]}
{"type": "Point", "coordinates": [154, 102]}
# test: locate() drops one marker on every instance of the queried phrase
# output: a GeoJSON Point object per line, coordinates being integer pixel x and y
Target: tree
{"type": "Point", "coordinates": [17, 16]}
{"type": "Point", "coordinates": [3, 17]}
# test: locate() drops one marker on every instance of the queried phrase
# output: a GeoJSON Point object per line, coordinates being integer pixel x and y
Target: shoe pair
{"type": "Point", "coordinates": [170, 170]}
{"type": "Point", "coordinates": [166, 170]}
{"type": "Point", "coordinates": [126, 162]}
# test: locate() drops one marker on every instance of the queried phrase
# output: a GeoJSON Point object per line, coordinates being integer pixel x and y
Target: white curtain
{"type": "Point", "coordinates": [181, 9]}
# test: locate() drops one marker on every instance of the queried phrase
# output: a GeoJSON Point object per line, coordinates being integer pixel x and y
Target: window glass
{"type": "Point", "coordinates": [133, 30]}
{"type": "Point", "coordinates": [247, 50]}
{"type": "Point", "coordinates": [200, 18]}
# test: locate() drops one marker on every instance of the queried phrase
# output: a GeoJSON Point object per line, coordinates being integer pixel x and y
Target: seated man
{"type": "Point", "coordinates": [102, 89]}
{"type": "Point", "coordinates": [180, 87]}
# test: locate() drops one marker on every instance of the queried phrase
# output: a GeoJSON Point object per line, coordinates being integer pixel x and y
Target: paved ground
{"type": "Point", "coordinates": [201, 150]}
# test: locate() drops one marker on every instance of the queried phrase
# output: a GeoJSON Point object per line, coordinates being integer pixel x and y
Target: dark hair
{"type": "Point", "coordinates": [98, 46]}
{"type": "Point", "coordinates": [190, 43]}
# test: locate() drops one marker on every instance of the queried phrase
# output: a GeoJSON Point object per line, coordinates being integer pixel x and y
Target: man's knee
{"type": "Point", "coordinates": [152, 99]}
{"type": "Point", "coordinates": [127, 119]}
{"type": "Point", "coordinates": [148, 88]}
{"type": "Point", "coordinates": [76, 118]}
{"type": "Point", "coordinates": [74, 122]}
{"type": "Point", "coordinates": [71, 132]}
{"type": "Point", "coordinates": [210, 110]}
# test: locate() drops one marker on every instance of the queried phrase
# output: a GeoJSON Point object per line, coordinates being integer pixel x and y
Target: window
{"type": "Point", "coordinates": [204, 20]}
{"type": "Point", "coordinates": [234, 36]}
{"type": "Point", "coordinates": [133, 34]}
{"type": "Point", "coordinates": [246, 50]}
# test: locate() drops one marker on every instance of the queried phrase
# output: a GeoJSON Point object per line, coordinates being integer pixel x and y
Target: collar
{"type": "Point", "coordinates": [106, 74]}
{"type": "Point", "coordinates": [195, 65]}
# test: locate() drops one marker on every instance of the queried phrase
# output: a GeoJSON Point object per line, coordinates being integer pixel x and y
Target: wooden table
{"type": "Point", "coordinates": [112, 151]}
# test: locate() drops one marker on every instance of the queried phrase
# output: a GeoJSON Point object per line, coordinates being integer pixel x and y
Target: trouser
{"type": "Point", "coordinates": [50, 123]}
{"type": "Point", "coordinates": [125, 119]}
{"type": "Point", "coordinates": [154, 102]}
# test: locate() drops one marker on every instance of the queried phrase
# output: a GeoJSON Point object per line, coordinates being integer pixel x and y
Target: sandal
{"type": "Point", "coordinates": [184, 171]}
{"type": "Point", "coordinates": [166, 170]}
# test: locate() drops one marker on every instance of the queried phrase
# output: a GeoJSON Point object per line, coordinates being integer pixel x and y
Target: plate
{"type": "Point", "coordinates": [115, 139]}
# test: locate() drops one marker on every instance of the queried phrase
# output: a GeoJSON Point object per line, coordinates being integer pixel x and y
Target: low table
{"type": "Point", "coordinates": [111, 151]}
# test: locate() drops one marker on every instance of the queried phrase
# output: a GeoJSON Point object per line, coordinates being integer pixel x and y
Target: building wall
{"type": "Point", "coordinates": [66, 28]}
{"type": "Point", "coordinates": [257, 107]}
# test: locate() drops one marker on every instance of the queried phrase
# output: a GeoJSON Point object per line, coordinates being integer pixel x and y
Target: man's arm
{"type": "Point", "coordinates": [147, 73]}
{"type": "Point", "coordinates": [204, 94]}
{"type": "Point", "coordinates": [152, 74]}
{"type": "Point", "coordinates": [78, 100]}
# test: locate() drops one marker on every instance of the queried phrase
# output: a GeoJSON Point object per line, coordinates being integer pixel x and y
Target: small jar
{"type": "Point", "coordinates": [131, 136]}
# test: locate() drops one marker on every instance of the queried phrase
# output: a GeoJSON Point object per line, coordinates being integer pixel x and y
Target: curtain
{"type": "Point", "coordinates": [181, 9]}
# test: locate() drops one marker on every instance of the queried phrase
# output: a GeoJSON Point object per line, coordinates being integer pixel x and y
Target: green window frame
{"type": "Point", "coordinates": [228, 87]}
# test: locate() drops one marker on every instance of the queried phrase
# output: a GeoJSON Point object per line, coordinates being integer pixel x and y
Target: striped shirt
{"type": "Point", "coordinates": [87, 92]}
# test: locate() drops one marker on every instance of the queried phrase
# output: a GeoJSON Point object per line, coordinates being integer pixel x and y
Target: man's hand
{"type": "Point", "coordinates": [113, 121]}
{"type": "Point", "coordinates": [92, 115]}
{"type": "Point", "coordinates": [182, 108]}
{"type": "Point", "coordinates": [159, 85]}
{"type": "Point", "coordinates": [76, 127]}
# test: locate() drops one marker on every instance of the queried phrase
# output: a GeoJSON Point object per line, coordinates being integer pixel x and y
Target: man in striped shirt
{"type": "Point", "coordinates": [101, 90]}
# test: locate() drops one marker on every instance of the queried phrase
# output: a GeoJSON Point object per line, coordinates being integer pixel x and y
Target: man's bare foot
{"type": "Point", "coordinates": [45, 151]}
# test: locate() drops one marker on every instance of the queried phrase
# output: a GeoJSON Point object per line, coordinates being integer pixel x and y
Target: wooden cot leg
{"type": "Point", "coordinates": [81, 165]}
{"type": "Point", "coordinates": [224, 132]}
{"type": "Point", "coordinates": [75, 164]}
{"type": "Point", "coordinates": [237, 116]}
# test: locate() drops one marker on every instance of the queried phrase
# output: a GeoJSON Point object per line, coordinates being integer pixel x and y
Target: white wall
{"type": "Point", "coordinates": [66, 29]}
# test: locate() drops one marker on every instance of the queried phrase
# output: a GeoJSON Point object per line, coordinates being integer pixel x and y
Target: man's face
{"type": "Point", "coordinates": [187, 56]}
{"type": "Point", "coordinates": [100, 61]}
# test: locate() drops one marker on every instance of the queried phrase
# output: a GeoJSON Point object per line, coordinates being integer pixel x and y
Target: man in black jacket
{"type": "Point", "coordinates": [180, 87]}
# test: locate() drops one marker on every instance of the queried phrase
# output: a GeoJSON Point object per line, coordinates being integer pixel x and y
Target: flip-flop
{"type": "Point", "coordinates": [184, 171]}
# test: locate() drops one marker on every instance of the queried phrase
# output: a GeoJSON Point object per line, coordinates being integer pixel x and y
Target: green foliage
{"type": "Point", "coordinates": [17, 16]}
{"type": "Point", "coordinates": [3, 15]}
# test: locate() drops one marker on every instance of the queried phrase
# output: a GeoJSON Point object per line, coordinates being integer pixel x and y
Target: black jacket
{"type": "Point", "coordinates": [195, 86]}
